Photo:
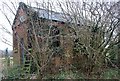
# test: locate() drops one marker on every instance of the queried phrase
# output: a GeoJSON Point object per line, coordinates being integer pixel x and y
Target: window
{"type": "Point", "coordinates": [22, 18]}
{"type": "Point", "coordinates": [22, 51]}
{"type": "Point", "coordinates": [55, 41]}
{"type": "Point", "coordinates": [30, 39]}
{"type": "Point", "coordinates": [15, 42]}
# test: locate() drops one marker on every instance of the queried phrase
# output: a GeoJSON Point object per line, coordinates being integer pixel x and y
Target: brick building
{"type": "Point", "coordinates": [35, 29]}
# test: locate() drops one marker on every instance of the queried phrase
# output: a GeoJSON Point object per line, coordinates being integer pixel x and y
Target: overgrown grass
{"type": "Point", "coordinates": [107, 74]}
{"type": "Point", "coordinates": [65, 75]}
{"type": "Point", "coordinates": [111, 74]}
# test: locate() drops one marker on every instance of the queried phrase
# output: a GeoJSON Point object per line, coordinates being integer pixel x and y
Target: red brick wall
{"type": "Point", "coordinates": [19, 31]}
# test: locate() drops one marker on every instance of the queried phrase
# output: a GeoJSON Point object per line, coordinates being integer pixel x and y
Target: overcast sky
{"type": "Point", "coordinates": [4, 22]}
{"type": "Point", "coordinates": [3, 35]}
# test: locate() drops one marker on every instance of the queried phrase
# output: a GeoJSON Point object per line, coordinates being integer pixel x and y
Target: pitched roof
{"type": "Point", "coordinates": [48, 14]}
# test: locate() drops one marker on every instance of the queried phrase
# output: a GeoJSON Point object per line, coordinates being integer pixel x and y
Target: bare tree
{"type": "Point", "coordinates": [95, 27]}
{"type": "Point", "coordinates": [90, 29]}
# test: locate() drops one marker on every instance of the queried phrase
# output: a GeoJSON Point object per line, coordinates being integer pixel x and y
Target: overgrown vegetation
{"type": "Point", "coordinates": [90, 42]}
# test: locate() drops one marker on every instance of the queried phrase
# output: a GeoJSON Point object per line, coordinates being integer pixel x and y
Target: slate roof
{"type": "Point", "coordinates": [48, 14]}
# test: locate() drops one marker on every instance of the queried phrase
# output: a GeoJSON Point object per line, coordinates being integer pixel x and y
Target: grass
{"type": "Point", "coordinates": [111, 74]}
{"type": "Point", "coordinates": [107, 74]}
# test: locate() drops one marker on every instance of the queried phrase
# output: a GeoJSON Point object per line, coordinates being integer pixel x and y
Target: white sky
{"type": "Point", "coordinates": [5, 23]}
